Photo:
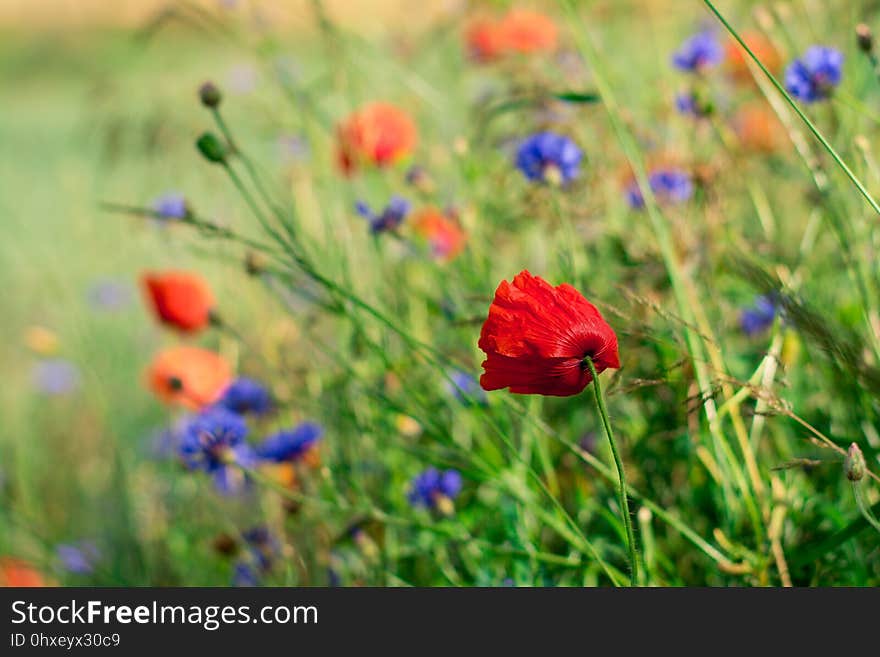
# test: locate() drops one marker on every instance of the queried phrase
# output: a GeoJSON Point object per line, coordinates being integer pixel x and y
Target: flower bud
{"type": "Point", "coordinates": [854, 463]}
{"type": "Point", "coordinates": [209, 94]}
{"type": "Point", "coordinates": [255, 263]}
{"type": "Point", "coordinates": [211, 148]}
{"type": "Point", "coordinates": [864, 38]}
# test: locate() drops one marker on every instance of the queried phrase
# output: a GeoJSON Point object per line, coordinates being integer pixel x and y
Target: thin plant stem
{"type": "Point", "coordinates": [621, 475]}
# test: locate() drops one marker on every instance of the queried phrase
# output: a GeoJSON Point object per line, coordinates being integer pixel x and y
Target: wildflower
{"type": "Point", "coordinates": [171, 206]}
{"type": "Point", "coordinates": [698, 53]}
{"type": "Point", "coordinates": [244, 575]}
{"type": "Point", "coordinates": [78, 558]}
{"type": "Point", "coordinates": [379, 134]}
{"type": "Point", "coordinates": [189, 376]}
{"type": "Point", "coordinates": [465, 388]}
{"type": "Point", "coordinates": [668, 185]}
{"type": "Point", "coordinates": [758, 128]}
{"type": "Point", "coordinates": [443, 233]}
{"type": "Point", "coordinates": [548, 157]}
{"type": "Point", "coordinates": [408, 426]}
{"type": "Point", "coordinates": [262, 547]}
{"type": "Point", "coordinates": [814, 76]}
{"type": "Point", "coordinates": [537, 338]}
{"type": "Point", "coordinates": [390, 218]}
{"type": "Point", "coordinates": [246, 395]}
{"type": "Point", "coordinates": [179, 299]}
{"type": "Point", "coordinates": [41, 340]}
{"type": "Point", "coordinates": [689, 103]}
{"type": "Point", "coordinates": [484, 40]}
{"type": "Point", "coordinates": [291, 444]}
{"type": "Point", "coordinates": [418, 177]}
{"type": "Point", "coordinates": [854, 463]}
{"type": "Point", "coordinates": [527, 32]}
{"type": "Point", "coordinates": [18, 573]}
{"type": "Point", "coordinates": [759, 317]}
{"type": "Point", "coordinates": [435, 490]}
{"type": "Point", "coordinates": [736, 56]}
{"type": "Point", "coordinates": [55, 376]}
{"type": "Point", "coordinates": [109, 295]}
{"type": "Point", "coordinates": [864, 38]}
{"type": "Point", "coordinates": [214, 441]}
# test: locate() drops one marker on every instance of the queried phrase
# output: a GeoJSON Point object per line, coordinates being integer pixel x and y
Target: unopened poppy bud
{"type": "Point", "coordinates": [210, 95]}
{"type": "Point", "coordinates": [211, 148]}
{"type": "Point", "coordinates": [864, 38]}
{"type": "Point", "coordinates": [854, 463]}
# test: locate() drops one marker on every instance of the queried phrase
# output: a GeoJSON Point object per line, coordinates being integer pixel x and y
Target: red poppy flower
{"type": "Point", "coordinates": [189, 376]}
{"type": "Point", "coordinates": [528, 31]}
{"type": "Point", "coordinates": [760, 45]}
{"type": "Point", "coordinates": [759, 129]}
{"type": "Point", "coordinates": [179, 299]}
{"type": "Point", "coordinates": [17, 573]}
{"type": "Point", "coordinates": [378, 134]}
{"type": "Point", "coordinates": [484, 39]}
{"type": "Point", "coordinates": [537, 337]}
{"type": "Point", "coordinates": [444, 234]}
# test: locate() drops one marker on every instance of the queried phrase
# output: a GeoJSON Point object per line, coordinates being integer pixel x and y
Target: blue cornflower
{"type": "Point", "coordinates": [465, 388]}
{"type": "Point", "coordinates": [262, 546]}
{"type": "Point", "coordinates": [109, 295]}
{"type": "Point", "coordinates": [390, 218]}
{"type": "Point", "coordinates": [435, 490]}
{"type": "Point", "coordinates": [171, 206]}
{"type": "Point", "coordinates": [668, 185]}
{"type": "Point", "coordinates": [246, 395]}
{"type": "Point", "coordinates": [759, 317]}
{"type": "Point", "coordinates": [699, 52]}
{"type": "Point", "coordinates": [213, 441]}
{"type": "Point", "coordinates": [290, 444]}
{"type": "Point", "coordinates": [244, 575]}
{"type": "Point", "coordinates": [814, 76]}
{"type": "Point", "coordinates": [78, 558]}
{"type": "Point", "coordinates": [55, 377]}
{"type": "Point", "coordinates": [548, 157]}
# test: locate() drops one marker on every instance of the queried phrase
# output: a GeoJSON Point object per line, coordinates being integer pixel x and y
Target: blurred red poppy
{"type": "Point", "coordinates": [760, 45]}
{"type": "Point", "coordinates": [528, 31]}
{"type": "Point", "coordinates": [443, 233]}
{"type": "Point", "coordinates": [379, 134]}
{"type": "Point", "coordinates": [180, 299]}
{"type": "Point", "coordinates": [484, 39]}
{"type": "Point", "coordinates": [15, 572]}
{"type": "Point", "coordinates": [537, 338]}
{"type": "Point", "coordinates": [759, 129]}
{"type": "Point", "coordinates": [189, 376]}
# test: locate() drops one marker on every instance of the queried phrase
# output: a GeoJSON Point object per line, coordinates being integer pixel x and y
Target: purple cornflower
{"type": "Point", "coordinates": [55, 377]}
{"type": "Point", "coordinates": [668, 185]}
{"type": "Point", "coordinates": [171, 206]}
{"type": "Point", "coordinates": [689, 103]}
{"type": "Point", "coordinates": [246, 395]}
{"type": "Point", "coordinates": [78, 558]}
{"type": "Point", "coordinates": [435, 490]}
{"type": "Point", "coordinates": [548, 157]}
{"type": "Point", "coordinates": [814, 76]}
{"type": "Point", "coordinates": [390, 218]}
{"type": "Point", "coordinates": [290, 444]}
{"type": "Point", "coordinates": [465, 388]}
{"type": "Point", "coordinates": [244, 575]}
{"type": "Point", "coordinates": [698, 53]}
{"type": "Point", "coordinates": [214, 441]}
{"type": "Point", "coordinates": [109, 295]}
{"type": "Point", "coordinates": [759, 317]}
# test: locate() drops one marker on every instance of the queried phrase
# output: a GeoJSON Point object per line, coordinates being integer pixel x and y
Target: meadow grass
{"type": "Point", "coordinates": [734, 445]}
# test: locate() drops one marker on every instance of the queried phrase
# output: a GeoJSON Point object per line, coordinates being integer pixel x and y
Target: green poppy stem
{"type": "Point", "coordinates": [621, 476]}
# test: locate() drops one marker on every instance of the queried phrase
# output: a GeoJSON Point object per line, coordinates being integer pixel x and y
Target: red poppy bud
{"type": "Point", "coordinates": [179, 299]}
{"type": "Point", "coordinates": [537, 338]}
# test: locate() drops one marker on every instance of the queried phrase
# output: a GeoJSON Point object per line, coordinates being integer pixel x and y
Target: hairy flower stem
{"type": "Point", "coordinates": [621, 475]}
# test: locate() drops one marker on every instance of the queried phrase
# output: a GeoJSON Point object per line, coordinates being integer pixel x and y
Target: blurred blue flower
{"type": "Point", "coordinates": [290, 444]}
{"type": "Point", "coordinates": [699, 52]}
{"type": "Point", "coordinates": [78, 558]}
{"type": "Point", "coordinates": [293, 148]}
{"type": "Point", "coordinates": [214, 441]}
{"type": "Point", "coordinates": [246, 395]}
{"type": "Point", "coordinates": [244, 575]}
{"type": "Point", "coordinates": [263, 547]}
{"type": "Point", "coordinates": [814, 76]}
{"type": "Point", "coordinates": [109, 295]}
{"type": "Point", "coordinates": [548, 157]}
{"type": "Point", "coordinates": [390, 218]}
{"type": "Point", "coordinates": [759, 317]}
{"type": "Point", "coordinates": [171, 206]}
{"type": "Point", "coordinates": [465, 388]}
{"type": "Point", "coordinates": [433, 488]}
{"type": "Point", "coordinates": [668, 185]}
{"type": "Point", "coordinates": [55, 376]}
